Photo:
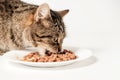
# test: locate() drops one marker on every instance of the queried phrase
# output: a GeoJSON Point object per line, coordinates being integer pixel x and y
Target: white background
{"type": "Point", "coordinates": [93, 24]}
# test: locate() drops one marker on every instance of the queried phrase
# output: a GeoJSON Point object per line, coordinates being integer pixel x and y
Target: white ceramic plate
{"type": "Point", "coordinates": [15, 55]}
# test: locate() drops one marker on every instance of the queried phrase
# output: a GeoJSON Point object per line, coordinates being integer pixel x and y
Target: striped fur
{"type": "Point", "coordinates": [19, 27]}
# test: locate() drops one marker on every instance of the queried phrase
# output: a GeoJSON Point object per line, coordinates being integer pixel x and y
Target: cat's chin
{"type": "Point", "coordinates": [44, 51]}
{"type": "Point", "coordinates": [51, 50]}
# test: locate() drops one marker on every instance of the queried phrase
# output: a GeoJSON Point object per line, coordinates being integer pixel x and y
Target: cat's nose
{"type": "Point", "coordinates": [59, 49]}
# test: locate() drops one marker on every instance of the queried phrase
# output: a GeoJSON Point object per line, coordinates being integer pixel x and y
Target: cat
{"type": "Point", "coordinates": [25, 25]}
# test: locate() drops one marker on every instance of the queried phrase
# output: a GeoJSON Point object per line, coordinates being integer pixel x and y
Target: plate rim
{"type": "Point", "coordinates": [47, 63]}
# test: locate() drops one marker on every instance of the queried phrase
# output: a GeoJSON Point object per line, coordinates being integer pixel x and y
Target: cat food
{"type": "Point", "coordinates": [50, 57]}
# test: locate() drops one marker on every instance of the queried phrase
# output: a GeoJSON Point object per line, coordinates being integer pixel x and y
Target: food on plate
{"type": "Point", "coordinates": [65, 55]}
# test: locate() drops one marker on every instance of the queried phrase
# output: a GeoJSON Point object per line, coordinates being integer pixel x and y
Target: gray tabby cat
{"type": "Point", "coordinates": [25, 25]}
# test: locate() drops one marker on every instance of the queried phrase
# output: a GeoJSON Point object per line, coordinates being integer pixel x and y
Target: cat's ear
{"type": "Point", "coordinates": [42, 12]}
{"type": "Point", "coordinates": [63, 12]}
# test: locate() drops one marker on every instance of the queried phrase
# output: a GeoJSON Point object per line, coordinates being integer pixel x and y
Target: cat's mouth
{"type": "Point", "coordinates": [47, 52]}
{"type": "Point", "coordinates": [45, 48]}
{"type": "Point", "coordinates": [51, 50]}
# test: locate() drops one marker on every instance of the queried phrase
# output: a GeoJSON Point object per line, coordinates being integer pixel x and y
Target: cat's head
{"type": "Point", "coordinates": [45, 29]}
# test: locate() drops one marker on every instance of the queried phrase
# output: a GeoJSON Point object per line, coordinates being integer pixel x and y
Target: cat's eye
{"type": "Point", "coordinates": [55, 24]}
{"type": "Point", "coordinates": [48, 36]}
{"type": "Point", "coordinates": [45, 36]}
{"type": "Point", "coordinates": [55, 40]}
